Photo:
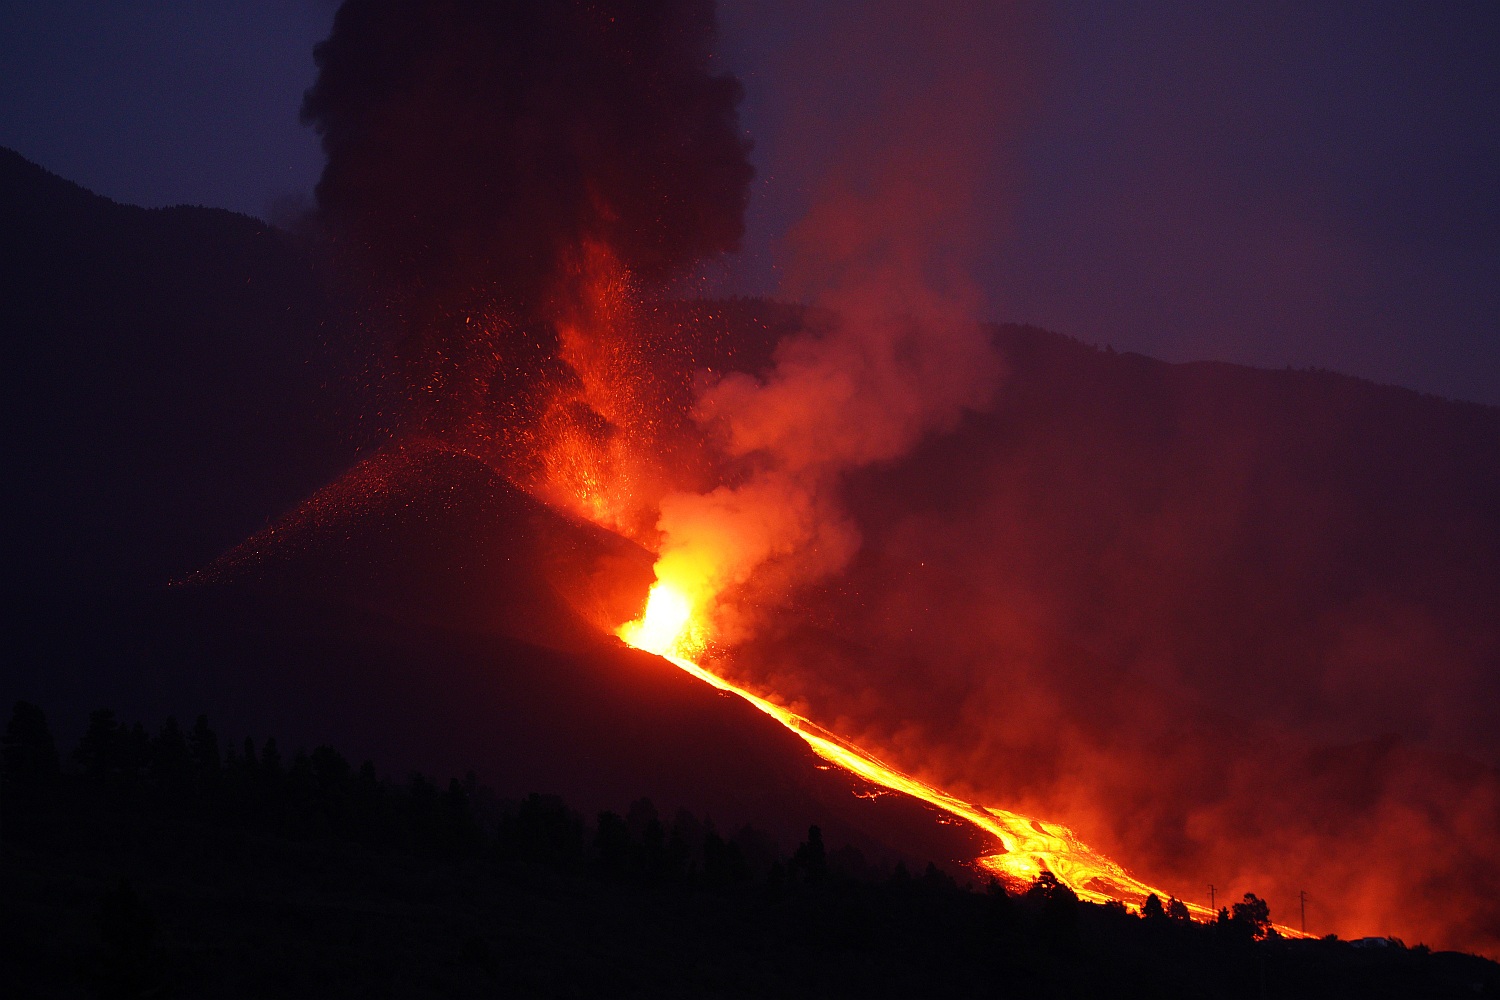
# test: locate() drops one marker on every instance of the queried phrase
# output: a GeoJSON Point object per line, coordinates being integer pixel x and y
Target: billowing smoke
{"type": "Point", "coordinates": [862, 390]}
{"type": "Point", "coordinates": [892, 349]}
{"type": "Point", "coordinates": [474, 148]}
{"type": "Point", "coordinates": [1166, 606]}
{"type": "Point", "coordinates": [1232, 626]}
{"type": "Point", "coordinates": [505, 182]}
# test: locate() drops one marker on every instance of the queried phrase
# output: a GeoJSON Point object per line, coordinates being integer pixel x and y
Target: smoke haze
{"type": "Point", "coordinates": [1223, 622]}
{"type": "Point", "coordinates": [892, 349]}
{"type": "Point", "coordinates": [1176, 618]}
{"type": "Point", "coordinates": [1222, 626]}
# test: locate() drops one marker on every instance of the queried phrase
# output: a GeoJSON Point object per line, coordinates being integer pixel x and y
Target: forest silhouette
{"type": "Point", "coordinates": [171, 863]}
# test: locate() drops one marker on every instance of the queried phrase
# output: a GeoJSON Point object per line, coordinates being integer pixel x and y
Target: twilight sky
{"type": "Point", "coordinates": [1273, 184]}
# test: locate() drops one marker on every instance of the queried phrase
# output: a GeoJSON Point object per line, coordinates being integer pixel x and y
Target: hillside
{"type": "Point", "coordinates": [425, 614]}
{"type": "Point", "coordinates": [1237, 625]}
{"type": "Point", "coordinates": [166, 387]}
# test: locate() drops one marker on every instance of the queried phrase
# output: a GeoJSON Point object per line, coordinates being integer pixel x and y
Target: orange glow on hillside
{"type": "Point", "coordinates": [1022, 847]}
{"type": "Point", "coordinates": [600, 452]}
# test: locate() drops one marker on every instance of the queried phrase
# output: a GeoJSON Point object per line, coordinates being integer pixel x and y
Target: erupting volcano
{"type": "Point", "coordinates": [840, 614]}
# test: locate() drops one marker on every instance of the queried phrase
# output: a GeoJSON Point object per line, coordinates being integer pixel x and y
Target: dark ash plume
{"type": "Point", "coordinates": [473, 148]}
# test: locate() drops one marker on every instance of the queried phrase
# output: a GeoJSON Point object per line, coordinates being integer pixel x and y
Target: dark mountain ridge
{"type": "Point", "coordinates": [166, 388]}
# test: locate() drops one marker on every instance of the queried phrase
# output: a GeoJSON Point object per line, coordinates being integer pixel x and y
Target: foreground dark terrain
{"type": "Point", "coordinates": [166, 865]}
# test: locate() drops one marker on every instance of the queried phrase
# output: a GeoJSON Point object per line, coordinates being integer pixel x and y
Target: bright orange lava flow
{"type": "Point", "coordinates": [1026, 847]}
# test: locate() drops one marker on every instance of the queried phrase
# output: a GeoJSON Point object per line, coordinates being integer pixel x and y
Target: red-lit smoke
{"type": "Point", "coordinates": [1136, 600]}
{"type": "Point", "coordinates": [892, 349]}
{"type": "Point", "coordinates": [496, 172]}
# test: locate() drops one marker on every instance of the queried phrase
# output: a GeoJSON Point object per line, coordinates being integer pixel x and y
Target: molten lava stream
{"type": "Point", "coordinates": [1027, 846]}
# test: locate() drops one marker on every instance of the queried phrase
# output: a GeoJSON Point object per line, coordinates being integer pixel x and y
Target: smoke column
{"type": "Point", "coordinates": [493, 166]}
{"type": "Point", "coordinates": [471, 146]}
{"type": "Point", "coordinates": [893, 349]}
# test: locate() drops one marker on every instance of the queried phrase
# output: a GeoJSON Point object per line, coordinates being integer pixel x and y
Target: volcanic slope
{"type": "Point", "coordinates": [1230, 625]}
{"type": "Point", "coordinates": [436, 617]}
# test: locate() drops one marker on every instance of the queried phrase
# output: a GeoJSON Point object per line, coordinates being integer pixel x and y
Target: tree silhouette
{"type": "Point", "coordinates": [171, 762]}
{"type": "Point", "coordinates": [99, 752]}
{"type": "Point", "coordinates": [204, 746]}
{"type": "Point", "coordinates": [612, 845]}
{"type": "Point", "coordinates": [935, 878]}
{"type": "Point", "coordinates": [1048, 888]}
{"type": "Point", "coordinates": [30, 756]}
{"type": "Point", "coordinates": [461, 831]}
{"type": "Point", "coordinates": [543, 830]}
{"type": "Point", "coordinates": [723, 863]}
{"type": "Point", "coordinates": [1056, 907]}
{"type": "Point", "coordinates": [270, 759]}
{"type": "Point", "coordinates": [1254, 915]}
{"type": "Point", "coordinates": [811, 858]}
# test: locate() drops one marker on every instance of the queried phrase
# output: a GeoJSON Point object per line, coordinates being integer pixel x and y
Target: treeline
{"type": "Point", "coordinates": [465, 883]}
{"type": "Point", "coordinates": [319, 796]}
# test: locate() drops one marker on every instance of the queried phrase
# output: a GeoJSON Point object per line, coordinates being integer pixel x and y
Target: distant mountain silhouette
{"type": "Point", "coordinates": [164, 391]}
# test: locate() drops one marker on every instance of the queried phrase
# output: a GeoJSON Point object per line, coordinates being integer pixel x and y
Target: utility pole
{"type": "Point", "coordinates": [1212, 901]}
{"type": "Point", "coordinates": [1303, 897]}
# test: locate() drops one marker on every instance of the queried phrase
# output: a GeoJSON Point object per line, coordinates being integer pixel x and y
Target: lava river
{"type": "Point", "coordinates": [1023, 847]}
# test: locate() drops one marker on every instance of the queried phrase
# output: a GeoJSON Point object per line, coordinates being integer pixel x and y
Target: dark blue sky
{"type": "Point", "coordinates": [1274, 184]}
